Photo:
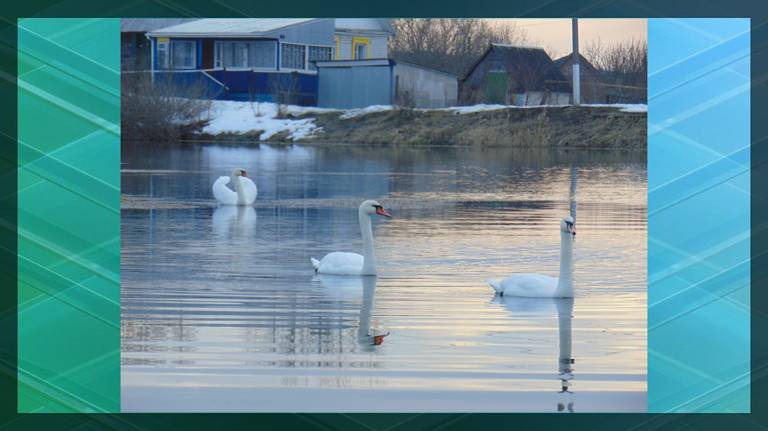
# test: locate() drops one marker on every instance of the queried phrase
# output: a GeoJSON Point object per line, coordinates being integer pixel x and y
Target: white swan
{"type": "Point", "coordinates": [340, 263]}
{"type": "Point", "coordinates": [245, 190]}
{"type": "Point", "coordinates": [543, 286]}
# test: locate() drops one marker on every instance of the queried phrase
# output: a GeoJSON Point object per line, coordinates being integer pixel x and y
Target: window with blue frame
{"type": "Point", "coordinates": [244, 54]}
{"type": "Point", "coordinates": [183, 54]}
{"type": "Point", "coordinates": [319, 53]}
{"type": "Point", "coordinates": [161, 57]}
{"type": "Point", "coordinates": [292, 56]}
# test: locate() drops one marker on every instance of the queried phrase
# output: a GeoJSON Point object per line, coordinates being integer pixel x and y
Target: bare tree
{"type": "Point", "coordinates": [623, 65]}
{"type": "Point", "coordinates": [285, 91]}
{"type": "Point", "coordinates": [164, 110]}
{"type": "Point", "coordinates": [449, 44]}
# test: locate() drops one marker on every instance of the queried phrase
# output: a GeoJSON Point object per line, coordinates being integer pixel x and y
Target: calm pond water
{"type": "Point", "coordinates": [221, 310]}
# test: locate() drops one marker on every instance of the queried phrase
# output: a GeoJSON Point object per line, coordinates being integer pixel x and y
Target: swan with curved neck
{"type": "Point", "coordinates": [341, 263]}
{"type": "Point", "coordinates": [244, 189]}
{"type": "Point", "coordinates": [543, 286]}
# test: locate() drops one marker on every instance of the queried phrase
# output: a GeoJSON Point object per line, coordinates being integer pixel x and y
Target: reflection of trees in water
{"type": "Point", "coordinates": [349, 170]}
{"type": "Point", "coordinates": [140, 336]}
{"type": "Point", "coordinates": [327, 324]}
{"type": "Point", "coordinates": [326, 329]}
{"type": "Point", "coordinates": [139, 330]}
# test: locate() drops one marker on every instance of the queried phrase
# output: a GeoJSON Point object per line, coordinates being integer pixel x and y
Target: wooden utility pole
{"type": "Point", "coordinates": [576, 76]}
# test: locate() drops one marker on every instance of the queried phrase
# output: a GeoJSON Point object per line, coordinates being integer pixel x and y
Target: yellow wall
{"type": "Point", "coordinates": [336, 53]}
{"type": "Point", "coordinates": [361, 41]}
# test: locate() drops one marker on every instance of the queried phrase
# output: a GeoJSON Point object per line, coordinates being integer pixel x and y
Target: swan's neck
{"type": "Point", "coordinates": [238, 188]}
{"type": "Point", "coordinates": [369, 258]}
{"type": "Point", "coordinates": [565, 280]}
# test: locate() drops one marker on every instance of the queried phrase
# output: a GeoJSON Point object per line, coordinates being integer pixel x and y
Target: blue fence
{"type": "Point", "coordinates": [284, 87]}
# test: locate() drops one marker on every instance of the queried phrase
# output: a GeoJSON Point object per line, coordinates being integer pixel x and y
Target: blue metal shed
{"type": "Point", "coordinates": [355, 83]}
{"type": "Point", "coordinates": [348, 84]}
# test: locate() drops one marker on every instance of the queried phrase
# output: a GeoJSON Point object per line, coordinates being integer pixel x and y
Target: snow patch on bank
{"type": "Point", "coordinates": [476, 108]}
{"type": "Point", "coordinates": [624, 107]}
{"type": "Point", "coordinates": [243, 117]}
{"type": "Point", "coordinates": [481, 108]}
{"type": "Point", "coordinates": [352, 113]}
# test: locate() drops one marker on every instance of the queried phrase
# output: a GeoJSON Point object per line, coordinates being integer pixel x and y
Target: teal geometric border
{"type": "Point", "coordinates": [699, 215]}
{"type": "Point", "coordinates": [68, 215]}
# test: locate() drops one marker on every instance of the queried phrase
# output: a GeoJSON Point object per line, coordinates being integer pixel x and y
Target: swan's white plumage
{"type": "Point", "coordinates": [544, 286]}
{"type": "Point", "coordinates": [526, 285]}
{"type": "Point", "coordinates": [340, 263]}
{"type": "Point", "coordinates": [226, 196]}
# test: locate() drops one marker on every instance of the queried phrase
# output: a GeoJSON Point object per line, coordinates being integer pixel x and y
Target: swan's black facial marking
{"type": "Point", "coordinates": [381, 211]}
{"type": "Point", "coordinates": [570, 227]}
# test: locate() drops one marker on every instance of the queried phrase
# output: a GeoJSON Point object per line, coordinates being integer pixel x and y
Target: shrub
{"type": "Point", "coordinates": [163, 110]}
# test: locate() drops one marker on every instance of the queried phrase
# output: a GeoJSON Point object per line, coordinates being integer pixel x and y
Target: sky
{"type": "Point", "coordinates": [555, 34]}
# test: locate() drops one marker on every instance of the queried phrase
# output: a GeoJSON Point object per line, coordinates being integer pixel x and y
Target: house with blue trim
{"type": "Point", "coordinates": [262, 59]}
{"type": "Point", "coordinates": [135, 47]}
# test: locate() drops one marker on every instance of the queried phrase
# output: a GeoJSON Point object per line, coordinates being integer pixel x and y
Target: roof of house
{"type": "Point", "coordinates": [148, 24]}
{"type": "Point", "coordinates": [567, 58]}
{"type": "Point", "coordinates": [532, 59]}
{"type": "Point", "coordinates": [355, 63]}
{"type": "Point", "coordinates": [365, 24]}
{"type": "Point", "coordinates": [230, 26]}
{"type": "Point", "coordinates": [431, 69]}
{"type": "Point", "coordinates": [377, 62]}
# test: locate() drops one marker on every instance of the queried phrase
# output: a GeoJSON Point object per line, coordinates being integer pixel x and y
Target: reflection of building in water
{"type": "Point", "coordinates": [565, 358]}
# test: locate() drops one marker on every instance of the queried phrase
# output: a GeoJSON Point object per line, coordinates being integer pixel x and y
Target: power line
{"type": "Point", "coordinates": [553, 21]}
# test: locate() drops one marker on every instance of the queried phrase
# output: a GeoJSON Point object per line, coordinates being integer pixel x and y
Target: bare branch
{"type": "Point", "coordinates": [446, 44]}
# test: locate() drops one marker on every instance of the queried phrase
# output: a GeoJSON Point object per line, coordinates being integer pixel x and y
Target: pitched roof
{"type": "Point", "coordinates": [230, 26]}
{"type": "Point", "coordinates": [528, 59]}
{"type": "Point", "coordinates": [365, 24]}
{"type": "Point", "coordinates": [355, 63]}
{"type": "Point", "coordinates": [149, 24]}
{"type": "Point", "coordinates": [567, 58]}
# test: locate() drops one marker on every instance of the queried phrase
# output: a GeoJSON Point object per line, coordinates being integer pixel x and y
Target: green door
{"type": "Point", "coordinates": [496, 87]}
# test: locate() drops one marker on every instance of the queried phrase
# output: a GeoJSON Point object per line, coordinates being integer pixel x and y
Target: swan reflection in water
{"type": "Point", "coordinates": [543, 308]}
{"type": "Point", "coordinates": [234, 222]}
{"type": "Point", "coordinates": [352, 288]}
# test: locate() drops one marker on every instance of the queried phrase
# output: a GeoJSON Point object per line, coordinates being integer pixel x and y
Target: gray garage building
{"type": "Point", "coordinates": [348, 84]}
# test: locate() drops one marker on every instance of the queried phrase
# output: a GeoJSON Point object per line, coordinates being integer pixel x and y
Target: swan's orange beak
{"type": "Point", "coordinates": [382, 212]}
{"type": "Point", "coordinates": [245, 174]}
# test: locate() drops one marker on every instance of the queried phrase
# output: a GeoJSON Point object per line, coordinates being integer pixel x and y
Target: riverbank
{"type": "Point", "coordinates": [587, 126]}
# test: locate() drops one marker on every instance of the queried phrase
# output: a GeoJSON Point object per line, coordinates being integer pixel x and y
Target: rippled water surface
{"type": "Point", "coordinates": [221, 310]}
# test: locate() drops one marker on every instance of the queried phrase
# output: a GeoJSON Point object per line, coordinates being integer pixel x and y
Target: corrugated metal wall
{"type": "Point", "coordinates": [354, 87]}
{"type": "Point", "coordinates": [421, 87]}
